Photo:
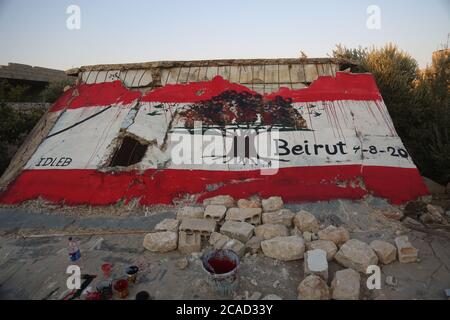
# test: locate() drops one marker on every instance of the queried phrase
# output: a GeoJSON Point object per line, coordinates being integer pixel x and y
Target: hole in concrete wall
{"type": "Point", "coordinates": [130, 152]}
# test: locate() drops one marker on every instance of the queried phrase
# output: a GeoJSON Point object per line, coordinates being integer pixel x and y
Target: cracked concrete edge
{"type": "Point", "coordinates": [207, 63]}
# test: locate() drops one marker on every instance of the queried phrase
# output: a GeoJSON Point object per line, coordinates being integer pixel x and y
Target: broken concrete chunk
{"type": "Point", "coordinates": [338, 235]}
{"type": "Point", "coordinates": [189, 243]}
{"type": "Point", "coordinates": [385, 251]}
{"type": "Point", "coordinates": [272, 204]}
{"type": "Point", "coordinates": [436, 212]}
{"type": "Point", "coordinates": [168, 225]}
{"type": "Point", "coordinates": [241, 231]}
{"type": "Point", "coordinates": [313, 288]}
{"type": "Point", "coordinates": [284, 248]}
{"type": "Point", "coordinates": [254, 244]}
{"type": "Point", "coordinates": [226, 201]}
{"type": "Point", "coordinates": [244, 203]}
{"type": "Point", "coordinates": [249, 215]}
{"type": "Point", "coordinates": [346, 285]}
{"type": "Point", "coordinates": [307, 236]}
{"type": "Point", "coordinates": [283, 216]}
{"type": "Point", "coordinates": [316, 263]}
{"type": "Point", "coordinates": [161, 241]}
{"type": "Point", "coordinates": [221, 241]}
{"type": "Point", "coordinates": [406, 252]}
{"type": "Point", "coordinates": [203, 226]}
{"type": "Point", "coordinates": [190, 212]}
{"type": "Point", "coordinates": [327, 245]}
{"type": "Point", "coordinates": [305, 221]}
{"type": "Point", "coordinates": [215, 212]}
{"type": "Point", "coordinates": [269, 231]}
{"type": "Point", "coordinates": [357, 255]}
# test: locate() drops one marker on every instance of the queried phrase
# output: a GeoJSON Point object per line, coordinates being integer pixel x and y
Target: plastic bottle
{"type": "Point", "coordinates": [74, 250]}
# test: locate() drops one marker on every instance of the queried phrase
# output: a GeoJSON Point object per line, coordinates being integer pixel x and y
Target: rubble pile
{"type": "Point", "coordinates": [253, 226]}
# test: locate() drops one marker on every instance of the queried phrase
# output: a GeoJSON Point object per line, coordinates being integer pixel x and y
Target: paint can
{"type": "Point", "coordinates": [131, 272]}
{"type": "Point", "coordinates": [104, 288]}
{"type": "Point", "coordinates": [106, 269]}
{"type": "Point", "coordinates": [121, 288]}
{"type": "Point", "coordinates": [222, 268]}
{"type": "Point", "coordinates": [142, 295]}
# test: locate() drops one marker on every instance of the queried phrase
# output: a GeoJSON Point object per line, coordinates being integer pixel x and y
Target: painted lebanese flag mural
{"type": "Point", "coordinates": [334, 139]}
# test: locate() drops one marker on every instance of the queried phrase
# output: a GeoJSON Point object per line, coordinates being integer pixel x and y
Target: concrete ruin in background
{"type": "Point", "coordinates": [108, 139]}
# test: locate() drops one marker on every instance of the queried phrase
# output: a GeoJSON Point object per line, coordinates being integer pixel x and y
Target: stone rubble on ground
{"type": "Point", "coordinates": [405, 250]}
{"type": "Point", "coordinates": [282, 216]}
{"type": "Point", "coordinates": [190, 212]}
{"type": "Point", "coordinates": [305, 221]}
{"type": "Point", "coordinates": [221, 241]}
{"type": "Point", "coordinates": [241, 231]}
{"type": "Point", "coordinates": [284, 248]}
{"type": "Point", "coordinates": [244, 203]}
{"type": "Point", "coordinates": [327, 245]}
{"type": "Point", "coordinates": [338, 235]}
{"type": "Point", "coordinates": [189, 242]}
{"type": "Point", "coordinates": [315, 262]}
{"type": "Point", "coordinates": [203, 226]}
{"type": "Point", "coordinates": [161, 241]}
{"type": "Point", "coordinates": [357, 255]}
{"type": "Point", "coordinates": [313, 287]}
{"type": "Point", "coordinates": [272, 204]}
{"type": "Point", "coordinates": [223, 200]}
{"type": "Point", "coordinates": [215, 212]}
{"type": "Point", "coordinates": [249, 215]}
{"type": "Point", "coordinates": [269, 231]}
{"type": "Point", "coordinates": [346, 285]}
{"type": "Point", "coordinates": [168, 225]}
{"type": "Point", "coordinates": [250, 226]}
{"type": "Point", "coordinates": [385, 251]}
{"type": "Point", "coordinates": [254, 244]}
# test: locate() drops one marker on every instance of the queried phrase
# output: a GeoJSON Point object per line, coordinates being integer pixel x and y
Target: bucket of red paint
{"type": "Point", "coordinates": [106, 269]}
{"type": "Point", "coordinates": [222, 269]}
{"type": "Point", "coordinates": [121, 288]}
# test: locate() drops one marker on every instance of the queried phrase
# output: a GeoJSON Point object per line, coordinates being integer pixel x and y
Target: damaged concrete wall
{"type": "Point", "coordinates": [329, 132]}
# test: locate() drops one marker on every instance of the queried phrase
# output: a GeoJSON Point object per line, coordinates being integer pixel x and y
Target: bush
{"type": "Point", "coordinates": [417, 101]}
{"type": "Point", "coordinates": [54, 90]}
{"type": "Point", "coordinates": [14, 128]}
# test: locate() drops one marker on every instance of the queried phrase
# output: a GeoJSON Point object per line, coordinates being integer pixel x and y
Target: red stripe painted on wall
{"type": "Point", "coordinates": [98, 94]}
{"type": "Point", "coordinates": [75, 187]}
{"type": "Point", "coordinates": [345, 86]}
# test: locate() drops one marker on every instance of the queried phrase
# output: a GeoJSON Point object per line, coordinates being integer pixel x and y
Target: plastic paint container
{"type": "Point", "coordinates": [121, 288]}
{"type": "Point", "coordinates": [104, 288]}
{"type": "Point", "coordinates": [131, 273]}
{"type": "Point", "coordinates": [106, 268]}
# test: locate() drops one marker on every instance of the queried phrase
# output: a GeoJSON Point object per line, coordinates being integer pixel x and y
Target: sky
{"type": "Point", "coordinates": [112, 31]}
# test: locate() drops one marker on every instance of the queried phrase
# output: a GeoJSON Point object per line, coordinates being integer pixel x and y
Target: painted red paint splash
{"type": "Point", "coordinates": [344, 86]}
{"type": "Point", "coordinates": [98, 94]}
{"type": "Point", "coordinates": [76, 187]}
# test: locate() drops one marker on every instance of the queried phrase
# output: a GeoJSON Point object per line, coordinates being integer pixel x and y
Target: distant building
{"type": "Point", "coordinates": [37, 78]}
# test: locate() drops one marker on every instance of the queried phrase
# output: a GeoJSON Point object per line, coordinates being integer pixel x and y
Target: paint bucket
{"type": "Point", "coordinates": [142, 295]}
{"type": "Point", "coordinates": [104, 288]}
{"type": "Point", "coordinates": [131, 273]}
{"type": "Point", "coordinates": [93, 295]}
{"type": "Point", "coordinates": [121, 288]}
{"type": "Point", "coordinates": [106, 269]}
{"type": "Point", "coordinates": [222, 269]}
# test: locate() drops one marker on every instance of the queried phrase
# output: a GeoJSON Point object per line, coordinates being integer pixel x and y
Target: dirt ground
{"type": "Point", "coordinates": [35, 268]}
